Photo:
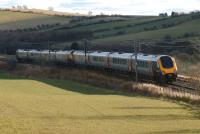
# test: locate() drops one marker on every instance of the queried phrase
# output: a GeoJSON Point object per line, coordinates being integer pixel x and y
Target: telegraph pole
{"type": "Point", "coordinates": [136, 61]}
{"type": "Point", "coordinates": [85, 50]}
{"type": "Point", "coordinates": [49, 50]}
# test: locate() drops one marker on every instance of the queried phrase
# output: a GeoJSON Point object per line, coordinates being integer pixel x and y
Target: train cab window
{"type": "Point", "coordinates": [166, 62]}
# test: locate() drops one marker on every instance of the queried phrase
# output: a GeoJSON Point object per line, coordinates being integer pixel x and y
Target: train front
{"type": "Point", "coordinates": [168, 68]}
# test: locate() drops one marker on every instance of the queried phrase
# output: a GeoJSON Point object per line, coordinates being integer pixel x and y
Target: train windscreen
{"type": "Point", "coordinates": [166, 62]}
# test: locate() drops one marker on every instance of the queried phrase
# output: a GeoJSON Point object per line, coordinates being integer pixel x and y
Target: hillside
{"type": "Point", "coordinates": [18, 20]}
{"type": "Point", "coordinates": [58, 106]}
{"type": "Point", "coordinates": [105, 32]}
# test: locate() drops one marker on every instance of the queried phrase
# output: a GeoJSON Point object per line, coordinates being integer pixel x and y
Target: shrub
{"type": "Point", "coordinates": [167, 38]}
{"type": "Point", "coordinates": [74, 46]}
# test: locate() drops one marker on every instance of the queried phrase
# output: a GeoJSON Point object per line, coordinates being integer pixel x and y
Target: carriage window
{"type": "Point", "coordinates": [98, 59]}
{"type": "Point", "coordinates": [166, 62]}
{"type": "Point", "coordinates": [142, 64]}
{"type": "Point", "coordinates": [119, 61]}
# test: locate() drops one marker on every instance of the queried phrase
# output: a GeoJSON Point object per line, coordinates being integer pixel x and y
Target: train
{"type": "Point", "coordinates": [160, 68]}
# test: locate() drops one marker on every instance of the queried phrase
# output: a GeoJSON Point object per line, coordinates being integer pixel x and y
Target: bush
{"type": "Point", "coordinates": [74, 46]}
{"type": "Point", "coordinates": [120, 33]}
{"type": "Point", "coordinates": [167, 38]}
{"type": "Point", "coordinates": [186, 35]}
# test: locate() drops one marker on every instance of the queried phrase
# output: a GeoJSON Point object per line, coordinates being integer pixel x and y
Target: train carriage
{"type": "Point", "coordinates": [21, 55]}
{"type": "Point", "coordinates": [79, 57]}
{"type": "Point", "coordinates": [33, 55]}
{"type": "Point", "coordinates": [45, 55]}
{"type": "Point", "coordinates": [145, 64]}
{"type": "Point", "coordinates": [120, 61]}
{"type": "Point", "coordinates": [53, 56]}
{"type": "Point", "coordinates": [98, 59]}
{"type": "Point", "coordinates": [62, 56]}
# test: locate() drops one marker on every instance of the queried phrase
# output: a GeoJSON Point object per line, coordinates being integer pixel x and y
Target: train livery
{"type": "Point", "coordinates": [161, 68]}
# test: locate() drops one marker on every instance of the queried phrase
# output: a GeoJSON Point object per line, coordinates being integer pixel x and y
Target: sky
{"type": "Point", "coordinates": [125, 7]}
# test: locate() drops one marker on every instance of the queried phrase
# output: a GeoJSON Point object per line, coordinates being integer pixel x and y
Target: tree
{"type": "Point", "coordinates": [74, 46]}
{"type": "Point", "coordinates": [19, 7]}
{"type": "Point", "coordinates": [163, 14]}
{"type": "Point", "coordinates": [90, 13]}
{"type": "Point", "coordinates": [25, 7]}
{"type": "Point", "coordinates": [174, 14]}
{"type": "Point", "coordinates": [51, 8]}
{"type": "Point", "coordinates": [168, 38]}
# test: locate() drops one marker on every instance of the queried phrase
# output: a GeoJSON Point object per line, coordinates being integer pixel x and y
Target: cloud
{"type": "Point", "coordinates": [135, 7]}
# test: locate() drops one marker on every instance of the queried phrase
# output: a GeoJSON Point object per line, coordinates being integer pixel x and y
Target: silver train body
{"type": "Point", "coordinates": [158, 67]}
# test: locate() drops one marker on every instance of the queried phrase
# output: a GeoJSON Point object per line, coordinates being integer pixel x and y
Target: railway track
{"type": "Point", "coordinates": [185, 85]}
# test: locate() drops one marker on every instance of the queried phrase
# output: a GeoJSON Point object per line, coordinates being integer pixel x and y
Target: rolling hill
{"type": "Point", "coordinates": [103, 30]}
{"type": "Point", "coordinates": [18, 20]}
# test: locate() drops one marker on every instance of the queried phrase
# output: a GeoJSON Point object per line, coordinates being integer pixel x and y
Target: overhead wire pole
{"type": "Point", "coordinates": [136, 61]}
{"type": "Point", "coordinates": [49, 50]}
{"type": "Point", "coordinates": [85, 50]}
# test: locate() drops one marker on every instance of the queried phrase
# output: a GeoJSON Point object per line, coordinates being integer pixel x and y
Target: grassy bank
{"type": "Point", "coordinates": [58, 106]}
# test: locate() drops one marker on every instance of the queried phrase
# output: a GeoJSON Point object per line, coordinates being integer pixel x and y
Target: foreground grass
{"type": "Point", "coordinates": [55, 106]}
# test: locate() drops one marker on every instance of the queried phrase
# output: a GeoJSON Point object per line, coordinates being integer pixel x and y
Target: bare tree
{"type": "Point", "coordinates": [51, 8]}
{"type": "Point", "coordinates": [90, 13]}
{"type": "Point", "coordinates": [25, 7]}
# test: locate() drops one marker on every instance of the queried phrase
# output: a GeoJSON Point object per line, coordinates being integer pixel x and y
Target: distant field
{"type": "Point", "coordinates": [17, 20]}
{"type": "Point", "coordinates": [177, 31]}
{"type": "Point", "coordinates": [56, 106]}
{"type": "Point", "coordinates": [110, 29]}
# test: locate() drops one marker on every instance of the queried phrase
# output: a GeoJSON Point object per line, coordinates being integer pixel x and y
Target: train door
{"type": "Point", "coordinates": [155, 70]}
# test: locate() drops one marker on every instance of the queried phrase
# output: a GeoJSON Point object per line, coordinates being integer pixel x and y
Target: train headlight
{"type": "Point", "coordinates": [163, 73]}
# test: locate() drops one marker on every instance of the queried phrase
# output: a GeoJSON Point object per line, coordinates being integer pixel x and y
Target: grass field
{"type": "Point", "coordinates": [56, 106]}
{"type": "Point", "coordinates": [18, 20]}
{"type": "Point", "coordinates": [177, 31]}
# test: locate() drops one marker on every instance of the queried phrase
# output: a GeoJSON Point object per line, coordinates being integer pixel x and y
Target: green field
{"type": "Point", "coordinates": [56, 106]}
{"type": "Point", "coordinates": [177, 31]}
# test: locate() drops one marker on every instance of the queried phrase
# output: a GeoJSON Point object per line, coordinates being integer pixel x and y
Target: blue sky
{"type": "Point", "coordinates": [126, 7]}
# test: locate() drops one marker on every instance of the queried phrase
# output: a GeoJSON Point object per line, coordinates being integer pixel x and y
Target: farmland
{"type": "Point", "coordinates": [58, 106]}
{"type": "Point", "coordinates": [18, 20]}
{"type": "Point", "coordinates": [104, 30]}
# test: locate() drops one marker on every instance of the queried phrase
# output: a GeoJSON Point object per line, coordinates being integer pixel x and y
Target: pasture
{"type": "Point", "coordinates": [58, 106]}
{"type": "Point", "coordinates": [18, 20]}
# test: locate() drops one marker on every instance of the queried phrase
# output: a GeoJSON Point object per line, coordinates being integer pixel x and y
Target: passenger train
{"type": "Point", "coordinates": [161, 68]}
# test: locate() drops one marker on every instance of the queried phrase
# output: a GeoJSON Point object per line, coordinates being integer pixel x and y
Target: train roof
{"type": "Point", "coordinates": [148, 57]}
{"type": "Point", "coordinates": [98, 53]}
{"type": "Point", "coordinates": [63, 52]}
{"type": "Point", "coordinates": [120, 55]}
